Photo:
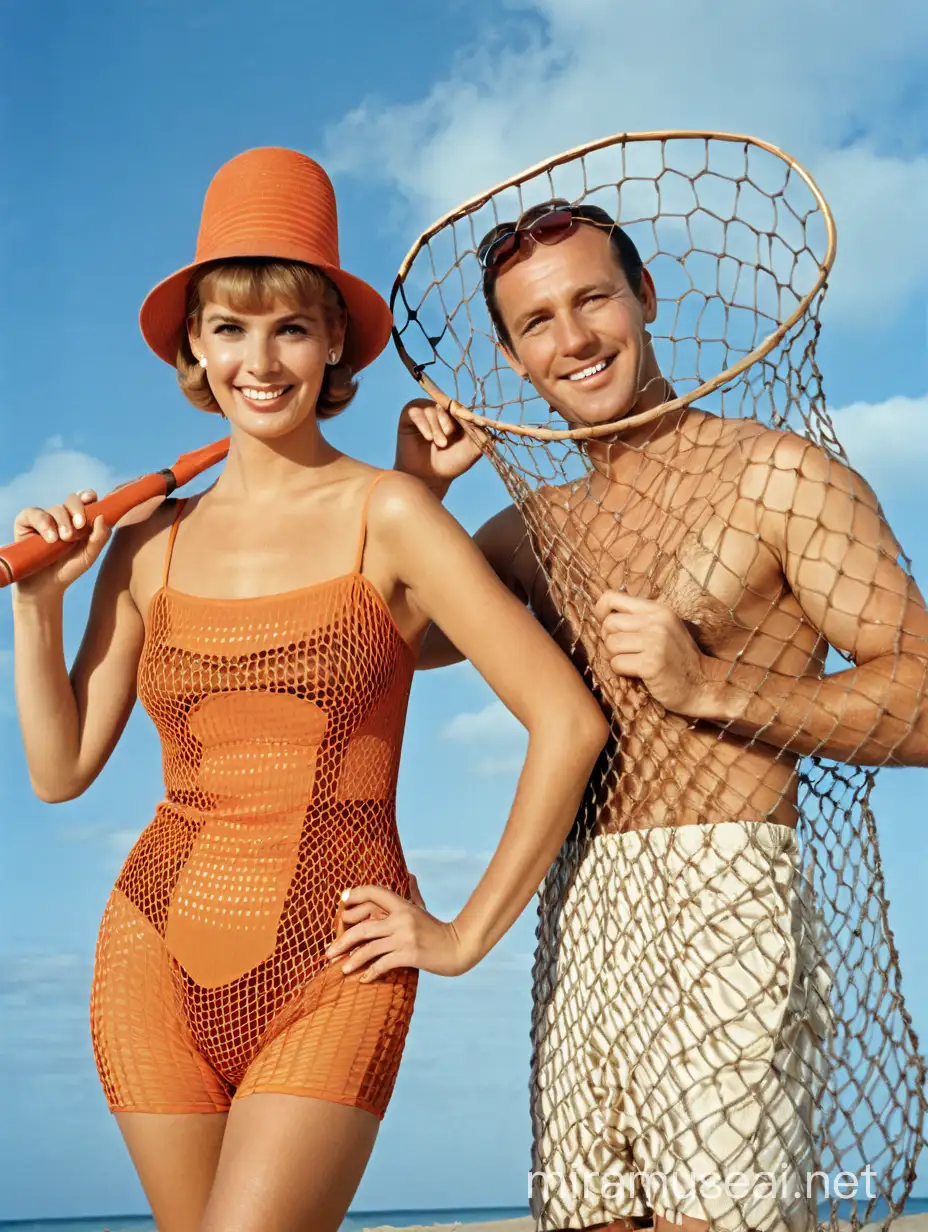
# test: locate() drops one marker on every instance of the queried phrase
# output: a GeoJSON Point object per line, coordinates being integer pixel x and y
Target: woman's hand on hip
{"type": "Point", "coordinates": [384, 931]}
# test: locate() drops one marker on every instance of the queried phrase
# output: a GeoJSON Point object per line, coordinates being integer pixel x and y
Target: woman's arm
{"type": "Point", "coordinates": [502, 540]}
{"type": "Point", "coordinates": [450, 582]}
{"type": "Point", "coordinates": [70, 722]}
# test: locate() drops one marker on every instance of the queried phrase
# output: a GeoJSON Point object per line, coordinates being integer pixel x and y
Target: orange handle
{"type": "Point", "coordinates": [20, 560]}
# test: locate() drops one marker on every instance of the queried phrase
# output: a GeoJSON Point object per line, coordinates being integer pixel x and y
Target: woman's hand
{"type": "Point", "coordinates": [384, 931]}
{"type": "Point", "coordinates": [61, 522]}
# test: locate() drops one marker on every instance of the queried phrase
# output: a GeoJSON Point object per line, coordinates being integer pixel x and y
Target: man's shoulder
{"type": "Point", "coordinates": [501, 534]}
{"type": "Point", "coordinates": [781, 473]}
{"type": "Point", "coordinates": [757, 445]}
{"type": "Point", "coordinates": [505, 540]}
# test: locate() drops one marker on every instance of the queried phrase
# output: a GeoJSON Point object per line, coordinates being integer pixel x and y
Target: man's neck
{"type": "Point", "coordinates": [654, 439]}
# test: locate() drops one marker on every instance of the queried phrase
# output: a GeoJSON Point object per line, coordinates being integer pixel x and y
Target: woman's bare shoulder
{"type": "Point", "coordinates": [139, 549]}
{"type": "Point", "coordinates": [396, 497]}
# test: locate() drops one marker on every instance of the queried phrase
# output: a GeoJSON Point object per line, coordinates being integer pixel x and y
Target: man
{"type": "Point", "coordinates": [698, 570]}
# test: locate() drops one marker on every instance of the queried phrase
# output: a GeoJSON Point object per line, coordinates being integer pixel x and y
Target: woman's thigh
{"type": "Point", "coordinates": [176, 1157]}
{"type": "Point", "coordinates": [289, 1162]}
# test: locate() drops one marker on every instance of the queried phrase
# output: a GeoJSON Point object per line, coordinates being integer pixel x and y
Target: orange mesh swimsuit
{"type": "Point", "coordinates": [281, 720]}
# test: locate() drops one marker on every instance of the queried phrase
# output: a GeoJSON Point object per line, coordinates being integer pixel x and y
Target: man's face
{"type": "Point", "coordinates": [576, 326]}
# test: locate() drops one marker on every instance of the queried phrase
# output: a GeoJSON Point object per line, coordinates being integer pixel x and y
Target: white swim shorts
{"type": "Point", "coordinates": [681, 1042]}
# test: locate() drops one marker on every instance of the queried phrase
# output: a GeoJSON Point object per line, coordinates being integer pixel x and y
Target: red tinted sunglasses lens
{"type": "Point", "coordinates": [546, 230]}
{"type": "Point", "coordinates": [551, 226]}
{"type": "Point", "coordinates": [499, 250]}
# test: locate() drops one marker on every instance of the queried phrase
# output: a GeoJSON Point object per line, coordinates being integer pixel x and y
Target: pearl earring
{"type": "Point", "coordinates": [333, 357]}
{"type": "Point", "coordinates": [203, 361]}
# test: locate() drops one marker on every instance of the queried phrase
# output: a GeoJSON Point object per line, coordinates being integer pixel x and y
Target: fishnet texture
{"type": "Point", "coordinates": [807, 1063]}
{"type": "Point", "coordinates": [281, 721]}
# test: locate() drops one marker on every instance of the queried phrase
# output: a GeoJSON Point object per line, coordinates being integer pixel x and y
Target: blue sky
{"type": "Point", "coordinates": [114, 119]}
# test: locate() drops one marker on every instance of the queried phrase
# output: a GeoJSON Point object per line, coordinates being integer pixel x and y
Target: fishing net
{"type": "Point", "coordinates": [718, 1026]}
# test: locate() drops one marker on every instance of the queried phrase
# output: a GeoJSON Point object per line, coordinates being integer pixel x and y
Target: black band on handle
{"type": "Point", "coordinates": [170, 482]}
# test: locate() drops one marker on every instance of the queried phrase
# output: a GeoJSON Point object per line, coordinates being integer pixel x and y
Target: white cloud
{"type": "Point", "coordinates": [113, 841]}
{"type": "Point", "coordinates": [42, 977]}
{"type": "Point", "coordinates": [43, 1006]}
{"type": "Point", "coordinates": [446, 858]}
{"type": "Point", "coordinates": [53, 475]}
{"type": "Point", "coordinates": [493, 722]}
{"type": "Point", "coordinates": [492, 767]}
{"type": "Point", "coordinates": [886, 441]}
{"type": "Point", "coordinates": [550, 76]}
{"type": "Point", "coordinates": [496, 726]}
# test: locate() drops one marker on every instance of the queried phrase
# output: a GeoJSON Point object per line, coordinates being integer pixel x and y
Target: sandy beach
{"type": "Point", "coordinates": [908, 1223]}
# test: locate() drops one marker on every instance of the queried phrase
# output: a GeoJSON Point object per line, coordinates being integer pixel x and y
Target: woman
{"type": "Point", "coordinates": [271, 627]}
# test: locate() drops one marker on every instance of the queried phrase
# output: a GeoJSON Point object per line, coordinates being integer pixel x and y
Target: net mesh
{"type": "Point", "coordinates": [716, 986]}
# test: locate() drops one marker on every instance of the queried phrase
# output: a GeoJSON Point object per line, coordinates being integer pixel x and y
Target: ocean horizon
{"type": "Point", "coordinates": [356, 1220]}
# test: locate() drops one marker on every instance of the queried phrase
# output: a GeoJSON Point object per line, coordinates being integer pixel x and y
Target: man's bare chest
{"type": "Point", "coordinates": [692, 547]}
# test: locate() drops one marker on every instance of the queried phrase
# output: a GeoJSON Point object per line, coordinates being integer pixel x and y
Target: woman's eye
{"type": "Point", "coordinates": [293, 329]}
{"type": "Point", "coordinates": [226, 328]}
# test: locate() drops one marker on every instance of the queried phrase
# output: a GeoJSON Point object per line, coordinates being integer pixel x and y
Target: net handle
{"type": "Point", "coordinates": [29, 556]}
{"type": "Point", "coordinates": [465, 415]}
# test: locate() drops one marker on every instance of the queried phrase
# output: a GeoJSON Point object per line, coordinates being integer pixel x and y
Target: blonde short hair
{"type": "Point", "coordinates": [251, 285]}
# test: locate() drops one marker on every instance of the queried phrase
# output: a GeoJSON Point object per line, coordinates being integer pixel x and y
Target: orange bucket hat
{"type": "Point", "coordinates": [278, 204]}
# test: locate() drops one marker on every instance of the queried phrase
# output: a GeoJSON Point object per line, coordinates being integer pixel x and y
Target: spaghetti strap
{"type": "Point", "coordinates": [362, 537]}
{"type": "Point", "coordinates": [174, 525]}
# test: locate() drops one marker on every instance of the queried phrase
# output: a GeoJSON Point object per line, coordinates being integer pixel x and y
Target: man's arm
{"type": "Point", "coordinates": [841, 561]}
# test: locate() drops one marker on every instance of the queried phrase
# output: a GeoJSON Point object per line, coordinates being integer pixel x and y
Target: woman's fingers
{"type": "Point", "coordinates": [366, 953]}
{"type": "Point", "coordinates": [86, 552]}
{"type": "Point", "coordinates": [99, 534]}
{"type": "Point", "coordinates": [62, 516]}
{"type": "Point", "coordinates": [380, 966]}
{"type": "Point", "coordinates": [75, 507]}
{"type": "Point", "coordinates": [366, 911]}
{"type": "Point", "coordinates": [377, 896]}
{"type": "Point", "coordinates": [33, 520]}
{"type": "Point", "coordinates": [58, 521]}
{"type": "Point", "coordinates": [69, 515]}
{"type": "Point", "coordinates": [356, 934]}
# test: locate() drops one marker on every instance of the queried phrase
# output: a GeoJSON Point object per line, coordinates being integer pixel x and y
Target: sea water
{"type": "Point", "coordinates": [358, 1220]}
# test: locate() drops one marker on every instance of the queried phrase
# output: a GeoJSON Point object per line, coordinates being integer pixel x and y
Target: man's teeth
{"type": "Point", "coordinates": [262, 395]}
{"type": "Point", "coordinates": [579, 376]}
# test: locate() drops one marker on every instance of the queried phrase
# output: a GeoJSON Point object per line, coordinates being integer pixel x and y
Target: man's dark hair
{"type": "Point", "coordinates": [626, 254]}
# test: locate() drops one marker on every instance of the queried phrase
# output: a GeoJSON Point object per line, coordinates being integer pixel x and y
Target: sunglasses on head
{"type": "Point", "coordinates": [544, 224]}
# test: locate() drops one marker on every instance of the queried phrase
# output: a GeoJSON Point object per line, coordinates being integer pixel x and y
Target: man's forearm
{"type": "Point", "coordinates": [873, 715]}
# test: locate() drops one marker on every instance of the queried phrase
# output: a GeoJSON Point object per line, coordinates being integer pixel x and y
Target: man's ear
{"type": "Point", "coordinates": [647, 295]}
{"type": "Point", "coordinates": [512, 360]}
